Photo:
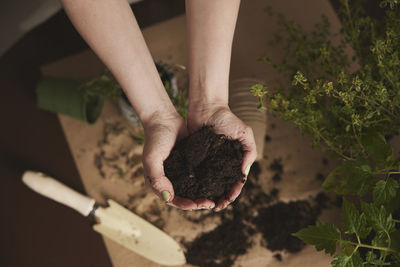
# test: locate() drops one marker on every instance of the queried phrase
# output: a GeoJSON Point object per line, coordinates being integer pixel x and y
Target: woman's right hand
{"type": "Point", "coordinates": [162, 131]}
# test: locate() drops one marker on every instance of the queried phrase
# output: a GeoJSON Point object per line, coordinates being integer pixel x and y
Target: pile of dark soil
{"type": "Point", "coordinates": [255, 212]}
{"type": "Point", "coordinates": [204, 165]}
{"type": "Point", "coordinates": [221, 246]}
{"type": "Point", "coordinates": [278, 222]}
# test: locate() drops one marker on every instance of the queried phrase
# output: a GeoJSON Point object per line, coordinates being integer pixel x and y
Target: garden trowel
{"type": "Point", "coordinates": [115, 222]}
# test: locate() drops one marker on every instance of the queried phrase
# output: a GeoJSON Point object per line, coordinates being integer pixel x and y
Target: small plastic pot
{"type": "Point", "coordinates": [64, 96]}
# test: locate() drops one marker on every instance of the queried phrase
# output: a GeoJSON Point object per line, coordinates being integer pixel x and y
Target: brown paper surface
{"type": "Point", "coordinates": [166, 41]}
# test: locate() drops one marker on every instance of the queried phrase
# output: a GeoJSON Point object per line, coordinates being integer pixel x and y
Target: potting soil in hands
{"type": "Point", "coordinates": [204, 165]}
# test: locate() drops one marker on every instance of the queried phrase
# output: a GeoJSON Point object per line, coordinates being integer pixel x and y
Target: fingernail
{"type": "Point", "coordinates": [205, 208]}
{"type": "Point", "coordinates": [165, 195]}
{"type": "Point", "coordinates": [247, 170]}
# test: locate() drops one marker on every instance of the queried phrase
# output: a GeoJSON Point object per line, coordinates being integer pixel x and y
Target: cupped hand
{"type": "Point", "coordinates": [162, 131]}
{"type": "Point", "coordinates": [225, 122]}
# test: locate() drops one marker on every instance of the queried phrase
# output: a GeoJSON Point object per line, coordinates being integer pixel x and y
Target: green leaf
{"type": "Point", "coordinates": [395, 238]}
{"type": "Point", "coordinates": [351, 178]}
{"type": "Point", "coordinates": [365, 229]}
{"type": "Point", "coordinates": [379, 218]}
{"type": "Point", "coordinates": [347, 248]}
{"type": "Point", "coordinates": [351, 218]}
{"type": "Point", "coordinates": [396, 259]}
{"type": "Point", "coordinates": [370, 257]}
{"type": "Point", "coordinates": [353, 222]}
{"type": "Point", "coordinates": [385, 191]}
{"type": "Point", "coordinates": [342, 260]}
{"type": "Point", "coordinates": [323, 236]}
{"type": "Point", "coordinates": [376, 147]}
{"type": "Point", "coordinates": [380, 239]}
{"type": "Point", "coordinates": [394, 204]}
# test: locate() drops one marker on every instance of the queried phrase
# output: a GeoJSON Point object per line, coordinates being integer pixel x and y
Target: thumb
{"type": "Point", "coordinates": [250, 150]}
{"type": "Point", "coordinates": [160, 184]}
{"type": "Point", "coordinates": [162, 187]}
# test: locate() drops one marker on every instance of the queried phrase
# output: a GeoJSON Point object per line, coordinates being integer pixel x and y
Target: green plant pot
{"type": "Point", "coordinates": [64, 96]}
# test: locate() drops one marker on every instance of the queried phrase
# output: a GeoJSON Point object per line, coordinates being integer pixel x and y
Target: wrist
{"type": "Point", "coordinates": [204, 99]}
{"type": "Point", "coordinates": [199, 113]}
{"type": "Point", "coordinates": [159, 116]}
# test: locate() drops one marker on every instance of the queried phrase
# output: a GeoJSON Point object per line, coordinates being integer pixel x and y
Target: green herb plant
{"type": "Point", "coordinates": [349, 103]}
{"type": "Point", "coordinates": [105, 85]}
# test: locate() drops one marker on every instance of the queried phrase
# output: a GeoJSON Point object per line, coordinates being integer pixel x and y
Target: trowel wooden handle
{"type": "Point", "coordinates": [53, 189]}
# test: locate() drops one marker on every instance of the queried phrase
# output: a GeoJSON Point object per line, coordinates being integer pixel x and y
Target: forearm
{"type": "Point", "coordinates": [111, 30]}
{"type": "Point", "coordinates": [210, 26]}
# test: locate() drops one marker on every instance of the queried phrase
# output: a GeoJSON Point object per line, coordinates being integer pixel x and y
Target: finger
{"type": "Point", "coordinates": [222, 204]}
{"type": "Point", "coordinates": [235, 191]}
{"type": "Point", "coordinates": [183, 203]}
{"type": "Point", "coordinates": [250, 150]}
{"type": "Point", "coordinates": [233, 194]}
{"type": "Point", "coordinates": [205, 203]}
{"type": "Point", "coordinates": [161, 186]}
{"type": "Point", "coordinates": [155, 177]}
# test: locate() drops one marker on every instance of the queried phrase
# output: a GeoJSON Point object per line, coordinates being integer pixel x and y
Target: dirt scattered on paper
{"type": "Point", "coordinates": [118, 154]}
{"type": "Point", "coordinates": [258, 218]}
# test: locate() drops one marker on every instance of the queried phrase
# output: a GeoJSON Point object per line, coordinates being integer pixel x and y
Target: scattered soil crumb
{"type": "Point", "coordinates": [118, 155]}
{"type": "Point", "coordinates": [110, 129]}
{"type": "Point", "coordinates": [325, 161]}
{"type": "Point", "coordinates": [278, 256]}
{"type": "Point", "coordinates": [138, 172]}
{"type": "Point", "coordinates": [98, 163]}
{"type": "Point", "coordinates": [276, 178]}
{"type": "Point", "coordinates": [319, 176]}
{"type": "Point", "coordinates": [274, 193]}
{"type": "Point", "coordinates": [276, 166]}
{"type": "Point", "coordinates": [267, 138]}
